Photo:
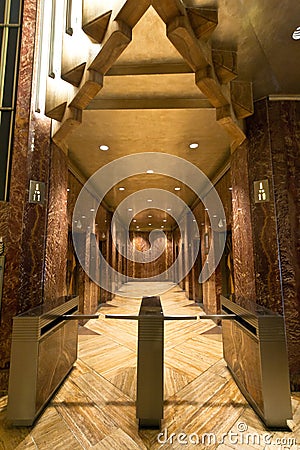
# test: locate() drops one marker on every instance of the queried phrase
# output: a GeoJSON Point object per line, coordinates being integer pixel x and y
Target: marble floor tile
{"type": "Point", "coordinates": [95, 406]}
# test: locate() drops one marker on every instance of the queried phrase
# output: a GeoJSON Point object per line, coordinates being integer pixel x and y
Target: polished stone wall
{"type": "Point", "coordinates": [140, 240]}
{"type": "Point", "coordinates": [23, 225]}
{"type": "Point", "coordinates": [266, 238]}
{"type": "Point", "coordinates": [242, 233]}
{"type": "Point", "coordinates": [57, 230]}
{"type": "Point", "coordinates": [90, 295]}
{"type": "Point", "coordinates": [209, 292]}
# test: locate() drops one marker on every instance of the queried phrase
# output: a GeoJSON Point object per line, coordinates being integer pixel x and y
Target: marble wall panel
{"type": "Point", "coordinates": [267, 275]}
{"type": "Point", "coordinates": [35, 220]}
{"type": "Point", "coordinates": [241, 352]}
{"type": "Point", "coordinates": [56, 355]}
{"type": "Point", "coordinates": [25, 223]}
{"type": "Point", "coordinates": [272, 152]}
{"type": "Point", "coordinates": [89, 292]}
{"type": "Point", "coordinates": [57, 229]}
{"type": "Point", "coordinates": [4, 214]}
{"type": "Point", "coordinates": [147, 270]}
{"type": "Point", "coordinates": [210, 291]}
{"type": "Point", "coordinates": [242, 239]}
{"type": "Point", "coordinates": [285, 144]}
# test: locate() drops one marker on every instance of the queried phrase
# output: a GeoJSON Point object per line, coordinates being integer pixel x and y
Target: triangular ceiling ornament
{"type": "Point", "coordinates": [58, 112]}
{"type": "Point", "coordinates": [204, 21]}
{"type": "Point", "coordinates": [97, 27]}
{"type": "Point", "coordinates": [74, 76]}
{"type": "Point", "coordinates": [184, 29]}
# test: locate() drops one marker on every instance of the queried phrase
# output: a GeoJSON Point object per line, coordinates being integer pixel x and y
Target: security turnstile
{"type": "Point", "coordinates": [254, 348]}
{"type": "Point", "coordinates": [44, 349]}
{"type": "Point", "coordinates": [150, 360]}
{"type": "Point", "coordinates": [150, 363]}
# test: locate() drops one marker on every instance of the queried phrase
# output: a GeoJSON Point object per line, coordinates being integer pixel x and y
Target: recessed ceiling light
{"type": "Point", "coordinates": [194, 145]}
{"type": "Point", "coordinates": [149, 217]}
{"type": "Point", "coordinates": [206, 209]}
{"type": "Point", "coordinates": [169, 209]}
{"type": "Point", "coordinates": [296, 34]}
{"type": "Point", "coordinates": [104, 148]}
{"type": "Point", "coordinates": [83, 217]}
{"type": "Point", "coordinates": [68, 190]}
{"type": "Point", "coordinates": [162, 226]}
{"type": "Point", "coordinates": [230, 188]}
{"type": "Point", "coordinates": [177, 189]}
{"type": "Point", "coordinates": [134, 220]}
{"type": "Point", "coordinates": [150, 171]}
{"type": "Point", "coordinates": [149, 224]}
{"type": "Point", "coordinates": [130, 209]}
{"type": "Point", "coordinates": [92, 210]}
{"type": "Point", "coordinates": [137, 226]}
{"type": "Point", "coordinates": [121, 189]}
{"type": "Point", "coordinates": [215, 215]}
{"type": "Point", "coordinates": [149, 200]}
{"type": "Point", "coordinates": [164, 220]}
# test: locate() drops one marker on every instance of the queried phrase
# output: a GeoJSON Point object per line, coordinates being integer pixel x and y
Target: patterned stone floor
{"type": "Point", "coordinates": [95, 406]}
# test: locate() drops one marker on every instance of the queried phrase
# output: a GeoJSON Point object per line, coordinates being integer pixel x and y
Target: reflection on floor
{"type": "Point", "coordinates": [95, 407]}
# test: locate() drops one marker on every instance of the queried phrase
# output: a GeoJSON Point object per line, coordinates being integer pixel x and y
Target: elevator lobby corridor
{"type": "Point", "coordinates": [95, 406]}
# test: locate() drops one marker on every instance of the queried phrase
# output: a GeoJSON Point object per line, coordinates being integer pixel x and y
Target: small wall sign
{"type": "Point", "coordinates": [261, 191]}
{"type": "Point", "coordinates": [36, 192]}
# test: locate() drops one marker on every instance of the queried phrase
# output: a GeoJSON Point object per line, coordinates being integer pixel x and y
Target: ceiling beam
{"type": "Point", "coordinates": [149, 103]}
{"type": "Point", "coordinates": [149, 69]}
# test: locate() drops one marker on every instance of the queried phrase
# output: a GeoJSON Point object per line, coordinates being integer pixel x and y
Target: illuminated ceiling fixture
{"type": "Point", "coordinates": [137, 226]}
{"type": "Point", "coordinates": [296, 34]}
{"type": "Point", "coordinates": [134, 220]}
{"type": "Point", "coordinates": [149, 224]}
{"type": "Point", "coordinates": [194, 145]}
{"type": "Point", "coordinates": [162, 226]}
{"type": "Point", "coordinates": [230, 188]}
{"type": "Point", "coordinates": [130, 209]}
{"type": "Point", "coordinates": [149, 217]}
{"type": "Point", "coordinates": [121, 189]}
{"type": "Point", "coordinates": [164, 220]}
{"type": "Point", "coordinates": [150, 171]}
{"type": "Point", "coordinates": [104, 148]}
{"type": "Point", "coordinates": [169, 209]}
{"type": "Point", "coordinates": [92, 210]}
{"type": "Point", "coordinates": [177, 189]}
{"type": "Point", "coordinates": [149, 200]}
